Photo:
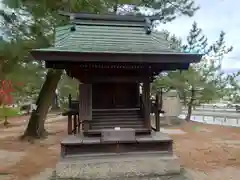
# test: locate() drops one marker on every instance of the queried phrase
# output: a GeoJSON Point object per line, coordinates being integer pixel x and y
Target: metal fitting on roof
{"type": "Point", "coordinates": [73, 28]}
{"type": "Point", "coordinates": [148, 26]}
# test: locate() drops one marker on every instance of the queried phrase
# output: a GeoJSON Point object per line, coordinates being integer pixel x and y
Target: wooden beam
{"type": "Point", "coordinates": [117, 79]}
{"type": "Point", "coordinates": [116, 67]}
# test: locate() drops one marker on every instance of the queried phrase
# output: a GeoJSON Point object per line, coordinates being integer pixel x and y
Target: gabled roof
{"type": "Point", "coordinates": [110, 34]}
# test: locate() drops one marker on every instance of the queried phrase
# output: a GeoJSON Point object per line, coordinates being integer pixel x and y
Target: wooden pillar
{"type": "Point", "coordinates": [79, 123]}
{"type": "Point", "coordinates": [157, 110]}
{"type": "Point", "coordinates": [69, 124]}
{"type": "Point", "coordinates": [69, 115]}
{"type": "Point", "coordinates": [147, 105]}
{"type": "Point", "coordinates": [75, 123]}
{"type": "Point", "coordinates": [85, 104]}
{"type": "Point", "coordinates": [85, 125]}
{"type": "Point", "coordinates": [138, 95]}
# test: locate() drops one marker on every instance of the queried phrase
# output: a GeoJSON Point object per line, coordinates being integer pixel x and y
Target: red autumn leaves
{"type": "Point", "coordinates": [6, 90]}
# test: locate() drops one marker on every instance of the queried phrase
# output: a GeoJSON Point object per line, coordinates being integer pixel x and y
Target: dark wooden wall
{"type": "Point", "coordinates": [115, 95]}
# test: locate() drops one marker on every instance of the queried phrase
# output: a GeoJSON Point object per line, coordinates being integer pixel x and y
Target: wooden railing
{"type": "Point", "coordinates": [157, 109]}
{"type": "Point", "coordinates": [74, 123]}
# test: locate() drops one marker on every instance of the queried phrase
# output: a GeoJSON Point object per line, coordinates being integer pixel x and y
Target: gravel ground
{"type": "Point", "coordinates": [207, 152]}
{"type": "Point", "coordinates": [52, 123]}
{"type": "Point", "coordinates": [8, 158]}
{"type": "Point", "coordinates": [8, 177]}
{"type": "Point", "coordinates": [47, 174]}
{"type": "Point", "coordinates": [228, 173]}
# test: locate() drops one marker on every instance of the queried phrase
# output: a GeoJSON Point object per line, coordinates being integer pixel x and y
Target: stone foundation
{"type": "Point", "coordinates": [118, 167]}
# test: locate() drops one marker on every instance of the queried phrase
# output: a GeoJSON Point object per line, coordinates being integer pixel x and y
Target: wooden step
{"type": "Point", "coordinates": [116, 114]}
{"type": "Point", "coordinates": [115, 119]}
{"type": "Point", "coordinates": [97, 132]}
{"type": "Point", "coordinates": [97, 127]}
{"type": "Point", "coordinates": [74, 145]}
{"type": "Point", "coordinates": [106, 122]}
{"type": "Point", "coordinates": [105, 116]}
{"type": "Point", "coordinates": [116, 109]}
{"type": "Point", "coordinates": [124, 118]}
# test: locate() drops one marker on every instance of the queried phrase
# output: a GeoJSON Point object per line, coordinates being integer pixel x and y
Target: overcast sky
{"type": "Point", "coordinates": [214, 16]}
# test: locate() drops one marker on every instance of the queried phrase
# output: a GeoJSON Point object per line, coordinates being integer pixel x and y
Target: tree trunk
{"type": "Point", "coordinates": [36, 122]}
{"type": "Point", "coordinates": [190, 105]}
{"type": "Point", "coordinates": [55, 105]}
{"type": "Point", "coordinates": [2, 77]}
{"type": "Point", "coordinates": [5, 123]}
{"type": "Point", "coordinates": [184, 99]}
{"type": "Point", "coordinates": [2, 96]}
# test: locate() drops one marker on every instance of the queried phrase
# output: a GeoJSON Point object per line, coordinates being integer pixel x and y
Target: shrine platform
{"type": "Point", "coordinates": [81, 145]}
{"type": "Point", "coordinates": [91, 158]}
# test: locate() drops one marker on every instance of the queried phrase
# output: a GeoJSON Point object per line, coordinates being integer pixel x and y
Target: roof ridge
{"type": "Point", "coordinates": [110, 23]}
{"type": "Point", "coordinates": [108, 16]}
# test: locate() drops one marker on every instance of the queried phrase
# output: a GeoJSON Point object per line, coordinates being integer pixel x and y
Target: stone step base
{"type": "Point", "coordinates": [112, 168]}
{"type": "Point", "coordinates": [51, 175]}
{"type": "Point", "coordinates": [105, 156]}
{"type": "Point", "coordinates": [181, 176]}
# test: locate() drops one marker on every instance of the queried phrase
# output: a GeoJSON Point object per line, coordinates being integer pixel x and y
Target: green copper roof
{"type": "Point", "coordinates": [108, 38]}
{"type": "Point", "coordinates": [112, 38]}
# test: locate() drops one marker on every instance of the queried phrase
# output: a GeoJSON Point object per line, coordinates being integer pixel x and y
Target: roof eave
{"type": "Point", "coordinates": [115, 57]}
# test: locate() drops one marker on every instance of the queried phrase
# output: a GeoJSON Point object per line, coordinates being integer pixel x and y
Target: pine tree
{"type": "Point", "coordinates": [202, 82]}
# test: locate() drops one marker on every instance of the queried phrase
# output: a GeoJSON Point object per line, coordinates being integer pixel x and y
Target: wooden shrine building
{"type": "Point", "coordinates": [111, 56]}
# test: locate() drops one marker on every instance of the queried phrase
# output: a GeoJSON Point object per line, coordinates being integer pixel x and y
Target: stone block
{"type": "Point", "coordinates": [119, 135]}
{"type": "Point", "coordinates": [118, 167]}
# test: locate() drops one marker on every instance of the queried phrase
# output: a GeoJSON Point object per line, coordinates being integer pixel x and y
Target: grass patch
{"type": "Point", "coordinates": [8, 112]}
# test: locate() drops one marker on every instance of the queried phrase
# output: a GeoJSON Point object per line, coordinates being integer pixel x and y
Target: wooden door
{"type": "Point", "coordinates": [120, 95]}
{"type": "Point", "coordinates": [115, 95]}
{"type": "Point", "coordinates": [102, 95]}
{"type": "Point", "coordinates": [85, 101]}
{"type": "Point", "coordinates": [125, 95]}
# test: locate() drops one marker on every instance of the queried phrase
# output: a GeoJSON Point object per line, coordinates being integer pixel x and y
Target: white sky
{"type": "Point", "coordinates": [214, 16]}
